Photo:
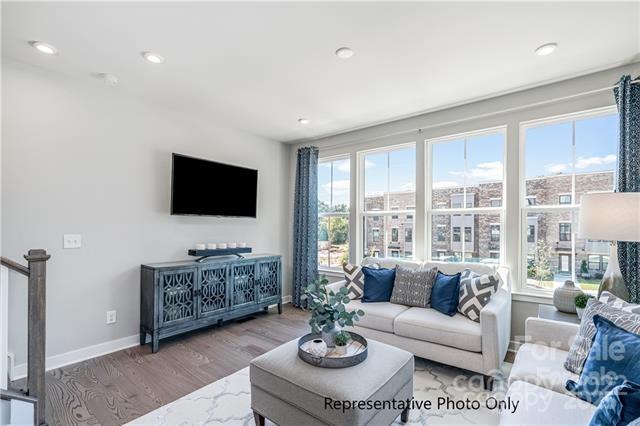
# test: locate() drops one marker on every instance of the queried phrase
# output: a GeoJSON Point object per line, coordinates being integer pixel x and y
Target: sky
{"type": "Point", "coordinates": [549, 152]}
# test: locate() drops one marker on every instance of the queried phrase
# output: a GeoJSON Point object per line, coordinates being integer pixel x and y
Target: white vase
{"type": "Point", "coordinates": [341, 350]}
{"type": "Point", "coordinates": [564, 297]}
{"type": "Point", "coordinates": [317, 347]}
{"type": "Point", "coordinates": [579, 311]}
{"type": "Point", "coordinates": [329, 336]}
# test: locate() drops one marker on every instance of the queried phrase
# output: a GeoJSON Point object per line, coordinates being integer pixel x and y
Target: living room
{"type": "Point", "coordinates": [312, 212]}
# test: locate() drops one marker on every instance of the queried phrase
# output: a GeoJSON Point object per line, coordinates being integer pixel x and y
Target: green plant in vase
{"type": "Point", "coordinates": [581, 303]}
{"type": "Point", "coordinates": [328, 310]}
{"type": "Point", "coordinates": [341, 340]}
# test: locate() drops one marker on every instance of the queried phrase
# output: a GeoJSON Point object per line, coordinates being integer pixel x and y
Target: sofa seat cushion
{"type": "Point", "coordinates": [543, 366]}
{"type": "Point", "coordinates": [432, 326]}
{"type": "Point", "coordinates": [377, 315]}
{"type": "Point", "coordinates": [540, 406]}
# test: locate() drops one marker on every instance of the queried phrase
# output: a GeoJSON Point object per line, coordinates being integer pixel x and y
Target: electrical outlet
{"type": "Point", "coordinates": [111, 317]}
{"type": "Point", "coordinates": [71, 241]}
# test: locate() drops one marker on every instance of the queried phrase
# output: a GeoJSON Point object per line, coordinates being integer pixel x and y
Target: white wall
{"type": "Point", "coordinates": [572, 95]}
{"type": "Point", "coordinates": [81, 157]}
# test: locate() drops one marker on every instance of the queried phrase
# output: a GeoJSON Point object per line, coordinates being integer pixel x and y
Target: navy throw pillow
{"type": "Point", "coordinates": [378, 284]}
{"type": "Point", "coordinates": [614, 358]}
{"type": "Point", "coordinates": [445, 294]}
{"type": "Point", "coordinates": [619, 407]}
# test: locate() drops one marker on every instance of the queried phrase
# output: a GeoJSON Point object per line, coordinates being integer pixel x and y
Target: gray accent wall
{"type": "Point", "coordinates": [80, 157]}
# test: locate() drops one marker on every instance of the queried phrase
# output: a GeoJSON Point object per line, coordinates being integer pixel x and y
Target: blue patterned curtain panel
{"type": "Point", "coordinates": [628, 176]}
{"type": "Point", "coordinates": [305, 223]}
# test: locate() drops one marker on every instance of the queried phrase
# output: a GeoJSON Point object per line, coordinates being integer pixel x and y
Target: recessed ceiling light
{"type": "Point", "coordinates": [152, 57]}
{"type": "Point", "coordinates": [344, 53]}
{"type": "Point", "coordinates": [546, 49]}
{"type": "Point", "coordinates": [304, 121]}
{"type": "Point", "coordinates": [43, 47]}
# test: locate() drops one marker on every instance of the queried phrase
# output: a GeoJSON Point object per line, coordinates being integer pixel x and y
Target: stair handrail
{"type": "Point", "coordinates": [36, 273]}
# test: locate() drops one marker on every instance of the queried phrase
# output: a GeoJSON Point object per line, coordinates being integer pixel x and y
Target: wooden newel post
{"type": "Point", "coordinates": [36, 356]}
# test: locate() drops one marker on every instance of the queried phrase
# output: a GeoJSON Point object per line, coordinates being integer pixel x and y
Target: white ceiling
{"type": "Point", "coordinates": [261, 66]}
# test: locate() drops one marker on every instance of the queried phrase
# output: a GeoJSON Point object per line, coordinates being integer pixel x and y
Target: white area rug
{"type": "Point", "coordinates": [228, 401]}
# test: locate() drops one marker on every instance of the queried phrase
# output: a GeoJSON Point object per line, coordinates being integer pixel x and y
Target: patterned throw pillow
{"type": "Point", "coordinates": [355, 279]}
{"type": "Point", "coordinates": [475, 292]}
{"type": "Point", "coordinates": [616, 302]}
{"type": "Point", "coordinates": [582, 344]}
{"type": "Point", "coordinates": [413, 287]}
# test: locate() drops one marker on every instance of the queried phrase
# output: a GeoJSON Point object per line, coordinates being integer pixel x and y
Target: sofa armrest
{"type": "Point", "coordinates": [557, 334]}
{"type": "Point", "coordinates": [335, 287]}
{"type": "Point", "coordinates": [495, 325]}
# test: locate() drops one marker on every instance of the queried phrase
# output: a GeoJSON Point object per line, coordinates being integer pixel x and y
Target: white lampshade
{"type": "Point", "coordinates": [613, 216]}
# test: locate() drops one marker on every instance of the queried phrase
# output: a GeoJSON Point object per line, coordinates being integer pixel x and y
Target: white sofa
{"type": "Point", "coordinates": [538, 377]}
{"type": "Point", "coordinates": [427, 333]}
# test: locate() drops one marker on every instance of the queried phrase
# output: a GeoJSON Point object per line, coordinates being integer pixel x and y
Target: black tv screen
{"type": "Point", "coordinates": [208, 188]}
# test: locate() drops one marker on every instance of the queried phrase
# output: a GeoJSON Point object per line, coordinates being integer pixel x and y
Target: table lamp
{"type": "Point", "coordinates": [610, 216]}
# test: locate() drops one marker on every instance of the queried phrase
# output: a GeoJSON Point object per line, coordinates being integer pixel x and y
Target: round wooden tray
{"type": "Point", "coordinates": [334, 361]}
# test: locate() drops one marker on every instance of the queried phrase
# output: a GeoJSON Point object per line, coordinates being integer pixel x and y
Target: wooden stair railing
{"type": "Point", "coordinates": [36, 273]}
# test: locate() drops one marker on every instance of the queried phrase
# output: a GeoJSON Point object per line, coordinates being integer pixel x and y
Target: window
{"type": "Point", "coordinates": [333, 212]}
{"type": "Point", "coordinates": [531, 234]}
{"type": "Point", "coordinates": [389, 196]}
{"type": "Point", "coordinates": [595, 263]}
{"type": "Point", "coordinates": [408, 235]}
{"type": "Point", "coordinates": [584, 150]}
{"type": "Point", "coordinates": [394, 208]}
{"type": "Point", "coordinates": [467, 234]}
{"type": "Point", "coordinates": [564, 199]}
{"type": "Point", "coordinates": [467, 181]}
{"type": "Point", "coordinates": [456, 234]}
{"type": "Point", "coordinates": [565, 231]}
{"type": "Point", "coordinates": [495, 233]}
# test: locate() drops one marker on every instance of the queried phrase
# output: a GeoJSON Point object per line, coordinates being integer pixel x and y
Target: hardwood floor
{"type": "Point", "coordinates": [116, 388]}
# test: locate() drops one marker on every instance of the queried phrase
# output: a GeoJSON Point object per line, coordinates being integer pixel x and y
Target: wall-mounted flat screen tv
{"type": "Point", "coordinates": [207, 188]}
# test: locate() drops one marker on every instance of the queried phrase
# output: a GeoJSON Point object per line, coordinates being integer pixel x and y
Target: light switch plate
{"type": "Point", "coordinates": [111, 317]}
{"type": "Point", "coordinates": [72, 241]}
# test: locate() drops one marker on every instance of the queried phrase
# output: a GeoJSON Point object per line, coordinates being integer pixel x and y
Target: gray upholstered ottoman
{"type": "Point", "coordinates": [288, 391]}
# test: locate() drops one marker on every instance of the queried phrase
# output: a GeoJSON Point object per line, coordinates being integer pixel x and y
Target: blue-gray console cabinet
{"type": "Point", "coordinates": [176, 297]}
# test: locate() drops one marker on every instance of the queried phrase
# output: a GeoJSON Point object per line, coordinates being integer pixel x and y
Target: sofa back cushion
{"type": "Point", "coordinates": [451, 268]}
{"type": "Point", "coordinates": [390, 263]}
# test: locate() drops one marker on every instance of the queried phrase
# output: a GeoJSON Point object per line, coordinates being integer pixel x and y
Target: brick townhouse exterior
{"type": "Point", "coordinates": [392, 235]}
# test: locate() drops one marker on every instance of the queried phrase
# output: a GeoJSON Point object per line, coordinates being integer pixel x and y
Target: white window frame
{"type": "Point", "coordinates": [430, 211]}
{"type": "Point", "coordinates": [524, 209]}
{"type": "Point", "coordinates": [362, 214]}
{"type": "Point", "coordinates": [323, 268]}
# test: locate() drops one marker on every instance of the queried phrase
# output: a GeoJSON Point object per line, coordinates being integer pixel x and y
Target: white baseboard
{"type": "Point", "coordinates": [82, 354]}
{"type": "Point", "coordinates": [56, 361]}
